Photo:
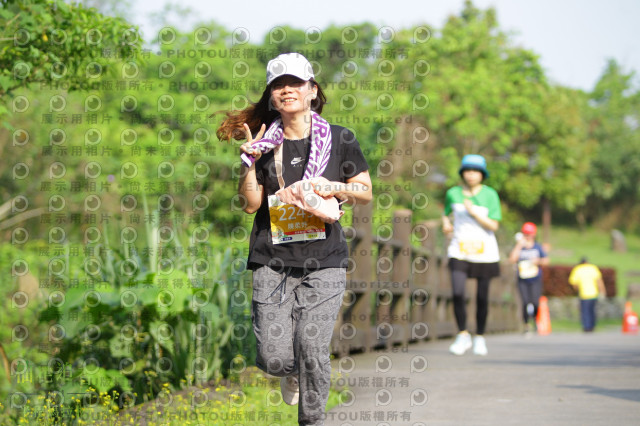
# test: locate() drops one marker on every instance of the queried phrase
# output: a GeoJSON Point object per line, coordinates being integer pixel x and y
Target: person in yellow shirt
{"type": "Point", "coordinates": [588, 279]}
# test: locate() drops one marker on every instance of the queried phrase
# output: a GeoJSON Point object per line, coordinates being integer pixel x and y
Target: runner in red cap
{"type": "Point", "coordinates": [529, 256]}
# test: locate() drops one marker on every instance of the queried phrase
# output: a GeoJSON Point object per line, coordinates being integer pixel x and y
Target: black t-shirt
{"type": "Point", "coordinates": [346, 161]}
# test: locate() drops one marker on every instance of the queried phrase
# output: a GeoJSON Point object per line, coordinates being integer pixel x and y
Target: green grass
{"type": "Point", "coordinates": [255, 401]}
{"type": "Point", "coordinates": [256, 405]}
{"type": "Point", "coordinates": [568, 245]}
{"type": "Point", "coordinates": [570, 326]}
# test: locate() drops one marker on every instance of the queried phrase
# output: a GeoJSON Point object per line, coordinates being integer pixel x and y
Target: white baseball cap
{"type": "Point", "coordinates": [293, 64]}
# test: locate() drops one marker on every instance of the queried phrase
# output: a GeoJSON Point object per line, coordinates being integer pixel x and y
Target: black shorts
{"type": "Point", "coordinates": [475, 270]}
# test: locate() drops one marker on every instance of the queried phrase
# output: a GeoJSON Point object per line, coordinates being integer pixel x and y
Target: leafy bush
{"type": "Point", "coordinates": [132, 320]}
{"type": "Point", "coordinates": [20, 302]}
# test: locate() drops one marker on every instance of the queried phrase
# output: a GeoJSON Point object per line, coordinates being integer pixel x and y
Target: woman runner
{"type": "Point", "coordinates": [473, 250]}
{"type": "Point", "coordinates": [298, 258]}
{"type": "Point", "coordinates": [529, 255]}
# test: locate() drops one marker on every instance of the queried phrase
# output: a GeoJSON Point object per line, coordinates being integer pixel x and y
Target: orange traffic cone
{"type": "Point", "coordinates": [543, 319]}
{"type": "Point", "coordinates": [629, 320]}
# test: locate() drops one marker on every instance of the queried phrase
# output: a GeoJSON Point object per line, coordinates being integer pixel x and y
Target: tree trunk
{"type": "Point", "coordinates": [582, 221]}
{"type": "Point", "coordinates": [546, 222]}
{"type": "Point", "coordinates": [5, 363]}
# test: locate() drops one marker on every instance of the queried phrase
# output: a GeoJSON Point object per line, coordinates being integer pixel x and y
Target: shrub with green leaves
{"type": "Point", "coordinates": [133, 319]}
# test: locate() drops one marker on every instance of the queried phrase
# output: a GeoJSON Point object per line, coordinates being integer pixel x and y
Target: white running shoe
{"type": "Point", "coordinates": [290, 389]}
{"type": "Point", "coordinates": [479, 346]}
{"type": "Point", "coordinates": [461, 344]}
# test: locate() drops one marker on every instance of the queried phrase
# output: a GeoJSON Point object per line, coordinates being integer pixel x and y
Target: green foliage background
{"type": "Point", "coordinates": [121, 133]}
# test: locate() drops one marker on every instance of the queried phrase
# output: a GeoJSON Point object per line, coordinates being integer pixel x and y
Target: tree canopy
{"type": "Point", "coordinates": [418, 99]}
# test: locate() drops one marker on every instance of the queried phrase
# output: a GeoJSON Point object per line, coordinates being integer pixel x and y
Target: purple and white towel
{"type": "Point", "coordinates": [320, 145]}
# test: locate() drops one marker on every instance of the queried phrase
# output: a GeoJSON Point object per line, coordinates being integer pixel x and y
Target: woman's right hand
{"type": "Point", "coordinates": [248, 186]}
{"type": "Point", "coordinates": [447, 226]}
{"type": "Point", "coordinates": [246, 147]}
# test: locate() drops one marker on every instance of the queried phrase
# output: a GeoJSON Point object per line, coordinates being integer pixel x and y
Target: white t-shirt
{"type": "Point", "coordinates": [472, 242]}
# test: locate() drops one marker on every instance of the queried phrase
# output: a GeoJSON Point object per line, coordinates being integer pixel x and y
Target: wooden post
{"type": "Point", "coordinates": [383, 292]}
{"type": "Point", "coordinates": [359, 279]}
{"type": "Point", "coordinates": [401, 276]}
{"type": "Point", "coordinates": [420, 276]}
{"type": "Point", "coordinates": [433, 277]}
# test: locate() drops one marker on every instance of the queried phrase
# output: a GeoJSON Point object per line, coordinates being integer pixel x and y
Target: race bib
{"type": "Point", "coordinates": [290, 223]}
{"type": "Point", "coordinates": [472, 247]}
{"type": "Point", "coordinates": [527, 269]}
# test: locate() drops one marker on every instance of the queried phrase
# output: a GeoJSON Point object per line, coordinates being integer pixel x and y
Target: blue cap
{"type": "Point", "coordinates": [474, 162]}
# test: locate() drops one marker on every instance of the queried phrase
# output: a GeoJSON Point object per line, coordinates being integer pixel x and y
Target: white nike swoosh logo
{"type": "Point", "coordinates": [296, 160]}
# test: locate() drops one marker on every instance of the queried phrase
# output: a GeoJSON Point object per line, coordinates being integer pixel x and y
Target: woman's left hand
{"type": "Point", "coordinates": [324, 187]}
{"type": "Point", "coordinates": [356, 189]}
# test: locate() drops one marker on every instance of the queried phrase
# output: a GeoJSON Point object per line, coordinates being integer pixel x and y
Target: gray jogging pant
{"type": "Point", "coordinates": [293, 313]}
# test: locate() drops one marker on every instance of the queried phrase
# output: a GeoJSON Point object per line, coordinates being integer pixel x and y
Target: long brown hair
{"type": "Point", "coordinates": [258, 113]}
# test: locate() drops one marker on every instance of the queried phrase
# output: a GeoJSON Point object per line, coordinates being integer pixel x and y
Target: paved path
{"type": "Point", "coordinates": [560, 379]}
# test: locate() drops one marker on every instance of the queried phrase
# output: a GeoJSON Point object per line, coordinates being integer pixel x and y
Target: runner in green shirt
{"type": "Point", "coordinates": [475, 211]}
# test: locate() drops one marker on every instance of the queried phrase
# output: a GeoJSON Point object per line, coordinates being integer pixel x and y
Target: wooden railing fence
{"type": "Point", "coordinates": [397, 293]}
